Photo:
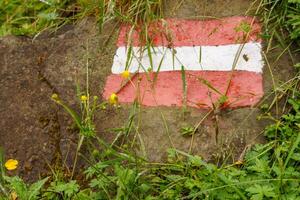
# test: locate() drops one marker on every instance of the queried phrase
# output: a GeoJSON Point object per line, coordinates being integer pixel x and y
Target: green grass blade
{"type": "Point", "coordinates": [129, 57]}
{"type": "Point", "coordinates": [292, 151]}
{"type": "Point", "coordinates": [158, 69]}
{"type": "Point", "coordinates": [209, 85]}
{"type": "Point", "coordinates": [184, 86]}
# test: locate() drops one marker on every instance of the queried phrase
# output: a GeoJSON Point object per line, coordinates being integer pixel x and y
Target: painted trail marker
{"type": "Point", "coordinates": [220, 57]}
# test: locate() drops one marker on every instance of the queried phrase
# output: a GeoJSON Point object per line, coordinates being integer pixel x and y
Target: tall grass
{"type": "Point", "coordinates": [29, 17]}
{"type": "Point", "coordinates": [282, 21]}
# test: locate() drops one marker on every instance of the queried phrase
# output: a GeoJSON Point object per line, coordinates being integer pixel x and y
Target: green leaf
{"type": "Point", "coordinates": [17, 185]}
{"type": "Point", "coordinates": [86, 194]}
{"type": "Point", "coordinates": [67, 189]}
{"type": "Point", "coordinates": [48, 16]}
{"type": "Point", "coordinates": [296, 156]}
{"type": "Point", "coordinates": [294, 1]}
{"type": "Point", "coordinates": [259, 191]}
{"type": "Point", "coordinates": [34, 189]}
{"type": "Point", "coordinates": [187, 131]}
{"type": "Point", "coordinates": [295, 104]}
{"type": "Point", "coordinates": [261, 166]}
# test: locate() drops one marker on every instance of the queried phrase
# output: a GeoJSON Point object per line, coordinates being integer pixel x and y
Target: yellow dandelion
{"type": "Point", "coordinates": [113, 99]}
{"type": "Point", "coordinates": [125, 74]}
{"type": "Point", "coordinates": [83, 98]}
{"type": "Point", "coordinates": [11, 164]}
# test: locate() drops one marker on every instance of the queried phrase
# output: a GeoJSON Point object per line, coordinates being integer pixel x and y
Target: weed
{"type": "Point", "coordinates": [187, 131]}
{"type": "Point", "coordinates": [29, 17]}
{"type": "Point", "coordinates": [279, 17]}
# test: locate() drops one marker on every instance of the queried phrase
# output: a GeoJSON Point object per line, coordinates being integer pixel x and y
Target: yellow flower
{"type": "Point", "coordinates": [95, 98]}
{"type": "Point", "coordinates": [13, 196]}
{"type": "Point", "coordinates": [55, 97]}
{"type": "Point", "coordinates": [113, 99]}
{"type": "Point", "coordinates": [239, 162]}
{"type": "Point", "coordinates": [125, 74]}
{"type": "Point", "coordinates": [83, 98]}
{"type": "Point", "coordinates": [11, 164]}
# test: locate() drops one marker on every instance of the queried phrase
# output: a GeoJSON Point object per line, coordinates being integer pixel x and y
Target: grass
{"type": "Point", "coordinates": [114, 171]}
{"type": "Point", "coordinates": [31, 17]}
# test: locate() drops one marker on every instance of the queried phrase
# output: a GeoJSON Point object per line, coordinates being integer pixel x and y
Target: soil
{"type": "Point", "coordinates": [40, 134]}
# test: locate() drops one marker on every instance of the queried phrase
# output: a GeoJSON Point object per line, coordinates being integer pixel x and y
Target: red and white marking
{"type": "Point", "coordinates": [207, 50]}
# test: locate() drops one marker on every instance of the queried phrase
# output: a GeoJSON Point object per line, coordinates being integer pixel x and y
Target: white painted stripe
{"type": "Point", "coordinates": [213, 58]}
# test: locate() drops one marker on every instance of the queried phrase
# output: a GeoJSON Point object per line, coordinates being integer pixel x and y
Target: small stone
{"type": "Point", "coordinates": [27, 166]}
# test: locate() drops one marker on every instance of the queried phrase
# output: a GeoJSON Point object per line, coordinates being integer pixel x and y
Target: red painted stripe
{"type": "Point", "coordinates": [245, 88]}
{"type": "Point", "coordinates": [180, 32]}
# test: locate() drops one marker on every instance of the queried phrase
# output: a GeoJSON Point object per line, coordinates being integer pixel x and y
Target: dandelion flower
{"type": "Point", "coordinates": [125, 74]}
{"type": "Point", "coordinates": [11, 164]}
{"type": "Point", "coordinates": [83, 98]}
{"type": "Point", "coordinates": [113, 99]}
